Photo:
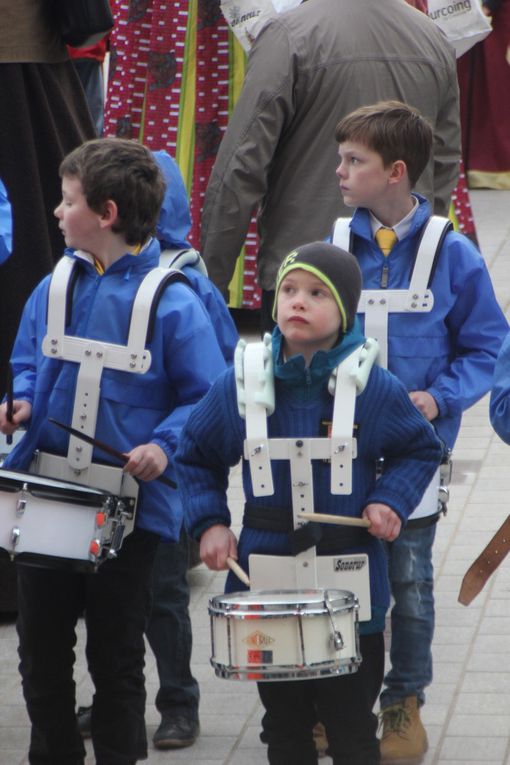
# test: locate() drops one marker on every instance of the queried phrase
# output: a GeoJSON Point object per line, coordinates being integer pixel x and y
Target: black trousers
{"type": "Point", "coordinates": [169, 632]}
{"type": "Point", "coordinates": [116, 605]}
{"type": "Point", "coordinates": [266, 312]}
{"type": "Point", "coordinates": [343, 704]}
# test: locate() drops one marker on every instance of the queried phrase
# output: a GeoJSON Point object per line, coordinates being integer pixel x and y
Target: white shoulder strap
{"type": "Point", "coordinates": [95, 355]}
{"type": "Point", "coordinates": [378, 304]}
{"type": "Point", "coordinates": [180, 258]}
{"type": "Point", "coordinates": [341, 235]}
{"type": "Point", "coordinates": [432, 238]}
{"type": "Point", "coordinates": [255, 395]}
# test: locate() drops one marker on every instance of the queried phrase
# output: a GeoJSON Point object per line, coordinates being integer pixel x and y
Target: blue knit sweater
{"type": "Point", "coordinates": [386, 425]}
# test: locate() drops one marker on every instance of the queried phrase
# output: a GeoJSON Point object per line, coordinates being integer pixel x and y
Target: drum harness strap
{"type": "Point", "coordinates": [93, 356]}
{"type": "Point", "coordinates": [256, 401]}
{"type": "Point", "coordinates": [377, 305]}
{"type": "Point", "coordinates": [417, 298]}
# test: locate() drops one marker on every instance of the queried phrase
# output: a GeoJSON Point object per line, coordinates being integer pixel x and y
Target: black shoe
{"type": "Point", "coordinates": [84, 715]}
{"type": "Point", "coordinates": [176, 732]}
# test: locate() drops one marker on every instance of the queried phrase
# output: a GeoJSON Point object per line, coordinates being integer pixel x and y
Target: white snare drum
{"type": "Point", "coordinates": [46, 521]}
{"type": "Point", "coordinates": [284, 634]}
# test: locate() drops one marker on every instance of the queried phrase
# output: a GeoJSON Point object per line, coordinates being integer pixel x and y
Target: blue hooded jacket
{"type": "Point", "coordinates": [134, 408]}
{"type": "Point", "coordinates": [172, 231]}
{"type": "Point", "coordinates": [451, 351]}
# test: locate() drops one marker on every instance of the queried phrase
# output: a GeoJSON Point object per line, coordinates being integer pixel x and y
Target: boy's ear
{"type": "Point", "coordinates": [109, 214]}
{"type": "Point", "coordinates": [398, 171]}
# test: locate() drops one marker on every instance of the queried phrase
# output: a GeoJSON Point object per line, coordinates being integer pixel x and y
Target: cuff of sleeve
{"type": "Point", "coordinates": [440, 401]}
{"type": "Point", "coordinates": [197, 531]}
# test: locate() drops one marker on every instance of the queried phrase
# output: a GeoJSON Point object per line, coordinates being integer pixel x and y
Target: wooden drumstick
{"type": "Point", "coordinates": [238, 571]}
{"type": "Point", "coordinates": [339, 520]}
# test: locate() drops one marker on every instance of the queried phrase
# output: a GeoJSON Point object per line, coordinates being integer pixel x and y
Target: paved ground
{"type": "Point", "coordinates": [467, 714]}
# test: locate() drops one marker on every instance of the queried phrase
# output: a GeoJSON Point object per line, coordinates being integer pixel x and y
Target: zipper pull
{"type": "Point", "coordinates": [384, 276]}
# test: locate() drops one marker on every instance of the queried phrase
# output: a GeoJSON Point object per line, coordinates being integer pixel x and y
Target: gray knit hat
{"type": "Point", "coordinates": [335, 267]}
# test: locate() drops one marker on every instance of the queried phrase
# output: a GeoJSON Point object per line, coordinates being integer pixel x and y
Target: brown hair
{"type": "Point", "coordinates": [126, 172]}
{"type": "Point", "coordinates": [393, 130]}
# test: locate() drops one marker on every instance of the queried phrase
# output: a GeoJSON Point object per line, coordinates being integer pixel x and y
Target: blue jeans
{"type": "Point", "coordinates": [90, 73]}
{"type": "Point", "coordinates": [169, 632]}
{"type": "Point", "coordinates": [412, 616]}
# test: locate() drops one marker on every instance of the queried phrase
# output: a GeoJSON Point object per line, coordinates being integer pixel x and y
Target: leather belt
{"type": "Point", "coordinates": [487, 562]}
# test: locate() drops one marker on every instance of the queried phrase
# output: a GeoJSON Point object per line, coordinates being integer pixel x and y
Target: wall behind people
{"type": "Point", "coordinates": [307, 68]}
{"type": "Point", "coordinates": [44, 116]}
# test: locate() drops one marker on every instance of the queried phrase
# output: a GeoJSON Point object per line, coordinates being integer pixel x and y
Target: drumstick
{"type": "Point", "coordinates": [339, 520]}
{"type": "Point", "coordinates": [238, 571]}
{"type": "Point", "coordinates": [106, 448]}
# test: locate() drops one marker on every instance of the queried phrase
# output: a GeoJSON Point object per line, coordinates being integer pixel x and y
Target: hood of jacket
{"type": "Point", "coordinates": [174, 221]}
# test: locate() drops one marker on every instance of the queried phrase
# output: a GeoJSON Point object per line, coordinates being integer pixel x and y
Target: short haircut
{"type": "Point", "coordinates": [126, 172]}
{"type": "Point", "coordinates": [392, 129]}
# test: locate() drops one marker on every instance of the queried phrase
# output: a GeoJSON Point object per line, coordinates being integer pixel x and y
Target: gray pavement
{"type": "Point", "coordinates": [467, 714]}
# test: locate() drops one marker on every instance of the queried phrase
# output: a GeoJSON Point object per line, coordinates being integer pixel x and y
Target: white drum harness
{"type": "Point", "coordinates": [377, 304]}
{"type": "Point", "coordinates": [93, 356]}
{"type": "Point", "coordinates": [256, 401]}
{"type": "Point", "coordinates": [417, 298]}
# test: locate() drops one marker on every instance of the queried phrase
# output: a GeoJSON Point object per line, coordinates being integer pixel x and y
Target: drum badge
{"type": "Point", "coordinates": [258, 639]}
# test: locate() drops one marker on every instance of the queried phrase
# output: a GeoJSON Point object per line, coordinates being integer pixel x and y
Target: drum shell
{"type": "Point", "coordinates": [283, 635]}
{"type": "Point", "coordinates": [46, 521]}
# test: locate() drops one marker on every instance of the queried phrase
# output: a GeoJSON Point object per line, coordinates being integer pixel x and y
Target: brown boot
{"type": "Point", "coordinates": [320, 740]}
{"type": "Point", "coordinates": [404, 740]}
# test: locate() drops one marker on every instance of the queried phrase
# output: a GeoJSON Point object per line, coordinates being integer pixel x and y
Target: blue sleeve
{"type": "Point", "coordinates": [477, 328]}
{"type": "Point", "coordinates": [499, 408]}
{"type": "Point", "coordinates": [27, 357]}
{"type": "Point", "coordinates": [5, 225]}
{"type": "Point", "coordinates": [211, 443]}
{"type": "Point", "coordinates": [407, 441]}
{"type": "Point", "coordinates": [219, 314]}
{"type": "Point", "coordinates": [193, 360]}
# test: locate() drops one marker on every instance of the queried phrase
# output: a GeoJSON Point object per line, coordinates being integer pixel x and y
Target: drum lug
{"type": "Point", "coordinates": [15, 535]}
{"type": "Point", "coordinates": [22, 501]}
{"type": "Point", "coordinates": [336, 636]}
{"type": "Point", "coordinates": [338, 641]}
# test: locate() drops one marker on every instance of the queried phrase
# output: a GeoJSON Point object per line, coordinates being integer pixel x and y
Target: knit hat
{"type": "Point", "coordinates": [338, 269]}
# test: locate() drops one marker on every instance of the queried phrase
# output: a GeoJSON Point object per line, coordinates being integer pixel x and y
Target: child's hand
{"type": "Point", "coordinates": [21, 411]}
{"type": "Point", "coordinates": [217, 543]}
{"type": "Point", "coordinates": [425, 403]}
{"type": "Point", "coordinates": [384, 522]}
{"type": "Point", "coordinates": [146, 462]}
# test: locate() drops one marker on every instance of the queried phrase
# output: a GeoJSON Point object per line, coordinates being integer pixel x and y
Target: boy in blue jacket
{"type": "Point", "coordinates": [317, 292]}
{"type": "Point", "coordinates": [434, 312]}
{"type": "Point", "coordinates": [111, 194]}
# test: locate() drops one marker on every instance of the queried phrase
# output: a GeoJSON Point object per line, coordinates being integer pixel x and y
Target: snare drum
{"type": "Point", "coordinates": [284, 634]}
{"type": "Point", "coordinates": [48, 522]}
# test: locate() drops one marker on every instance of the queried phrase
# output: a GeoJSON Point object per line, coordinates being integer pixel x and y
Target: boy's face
{"type": "Point", "coordinates": [307, 314]}
{"type": "Point", "coordinates": [79, 224]}
{"type": "Point", "coordinates": [364, 181]}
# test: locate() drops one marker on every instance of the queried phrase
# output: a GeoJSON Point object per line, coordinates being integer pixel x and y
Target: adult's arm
{"type": "Point", "coordinates": [447, 144]}
{"type": "Point", "coordinates": [238, 181]}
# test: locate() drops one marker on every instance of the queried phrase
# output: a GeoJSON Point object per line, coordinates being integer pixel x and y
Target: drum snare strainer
{"type": "Point", "coordinates": [284, 634]}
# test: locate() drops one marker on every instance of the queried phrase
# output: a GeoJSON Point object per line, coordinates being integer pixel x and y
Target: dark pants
{"type": "Point", "coordinates": [266, 312]}
{"type": "Point", "coordinates": [169, 632]}
{"type": "Point", "coordinates": [116, 603]}
{"type": "Point", "coordinates": [343, 704]}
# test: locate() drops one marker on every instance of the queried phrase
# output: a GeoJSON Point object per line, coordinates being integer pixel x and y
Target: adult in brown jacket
{"type": "Point", "coordinates": [308, 68]}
